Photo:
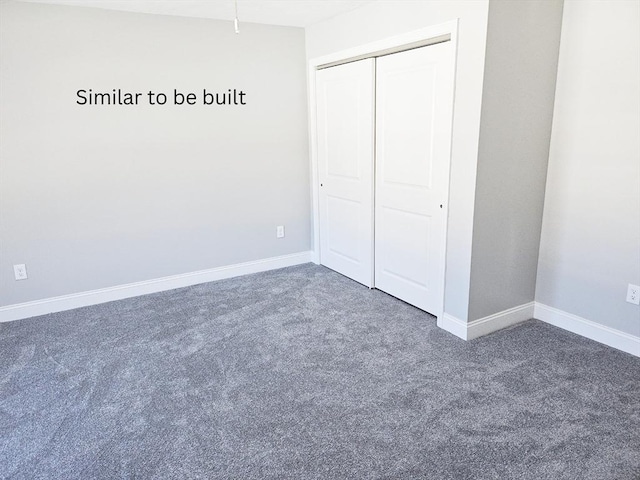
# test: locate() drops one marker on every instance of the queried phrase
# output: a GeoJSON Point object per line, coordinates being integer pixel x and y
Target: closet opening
{"type": "Point", "coordinates": [381, 128]}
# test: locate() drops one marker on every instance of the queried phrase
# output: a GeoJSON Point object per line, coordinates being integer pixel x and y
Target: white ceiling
{"type": "Point", "coordinates": [295, 13]}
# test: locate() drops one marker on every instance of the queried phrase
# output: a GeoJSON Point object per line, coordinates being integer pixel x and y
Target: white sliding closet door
{"type": "Point", "coordinates": [414, 92]}
{"type": "Point", "coordinates": [345, 119]}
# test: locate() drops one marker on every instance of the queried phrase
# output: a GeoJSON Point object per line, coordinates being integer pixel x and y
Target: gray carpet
{"type": "Point", "coordinates": [301, 373]}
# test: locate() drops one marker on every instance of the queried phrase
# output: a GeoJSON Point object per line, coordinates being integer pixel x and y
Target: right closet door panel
{"type": "Point", "coordinates": [414, 91]}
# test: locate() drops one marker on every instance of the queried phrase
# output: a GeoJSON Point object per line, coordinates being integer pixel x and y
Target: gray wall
{"type": "Point", "coordinates": [92, 197]}
{"type": "Point", "coordinates": [590, 246]}
{"type": "Point", "coordinates": [517, 105]}
{"type": "Point", "coordinates": [379, 20]}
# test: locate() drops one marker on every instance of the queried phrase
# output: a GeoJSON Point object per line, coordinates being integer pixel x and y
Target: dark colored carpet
{"type": "Point", "coordinates": [302, 373]}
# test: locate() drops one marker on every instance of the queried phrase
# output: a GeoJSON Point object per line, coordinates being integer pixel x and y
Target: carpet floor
{"type": "Point", "coordinates": [301, 373]}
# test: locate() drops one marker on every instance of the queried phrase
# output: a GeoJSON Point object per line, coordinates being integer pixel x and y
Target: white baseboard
{"type": "Point", "coordinates": [486, 325]}
{"type": "Point", "coordinates": [119, 292]}
{"type": "Point", "coordinates": [595, 331]}
{"type": "Point", "coordinates": [453, 325]}
{"type": "Point", "coordinates": [567, 321]}
{"type": "Point", "coordinates": [467, 331]}
{"type": "Point", "coordinates": [500, 320]}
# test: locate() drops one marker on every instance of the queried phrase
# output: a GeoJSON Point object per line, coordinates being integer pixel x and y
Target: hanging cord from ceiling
{"type": "Point", "coordinates": [236, 22]}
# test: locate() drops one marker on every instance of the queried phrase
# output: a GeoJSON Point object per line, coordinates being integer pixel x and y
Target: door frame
{"type": "Point", "coordinates": [447, 31]}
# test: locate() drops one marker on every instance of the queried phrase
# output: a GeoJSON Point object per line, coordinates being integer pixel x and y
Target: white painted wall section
{"type": "Point", "coordinates": [590, 247]}
{"type": "Point", "coordinates": [97, 197]}
{"type": "Point", "coordinates": [517, 107]}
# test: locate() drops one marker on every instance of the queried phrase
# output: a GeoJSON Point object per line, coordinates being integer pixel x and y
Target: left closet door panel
{"type": "Point", "coordinates": [345, 125]}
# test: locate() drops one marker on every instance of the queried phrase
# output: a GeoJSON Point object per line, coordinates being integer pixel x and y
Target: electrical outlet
{"type": "Point", "coordinates": [280, 231]}
{"type": "Point", "coordinates": [633, 294]}
{"type": "Point", "coordinates": [20, 272]}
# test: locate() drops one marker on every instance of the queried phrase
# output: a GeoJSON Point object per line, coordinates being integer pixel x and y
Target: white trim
{"type": "Point", "coordinates": [453, 325]}
{"type": "Point", "coordinates": [389, 51]}
{"type": "Point", "coordinates": [406, 39]}
{"type": "Point", "coordinates": [94, 297]}
{"type": "Point", "coordinates": [500, 320]}
{"type": "Point", "coordinates": [567, 321]}
{"type": "Point", "coordinates": [484, 326]}
{"type": "Point", "coordinates": [313, 158]}
{"type": "Point", "coordinates": [587, 328]}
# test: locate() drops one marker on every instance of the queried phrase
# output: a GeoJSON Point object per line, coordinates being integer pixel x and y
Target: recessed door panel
{"type": "Point", "coordinates": [343, 237]}
{"type": "Point", "coordinates": [406, 140]}
{"type": "Point", "coordinates": [345, 119]}
{"type": "Point", "coordinates": [408, 232]}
